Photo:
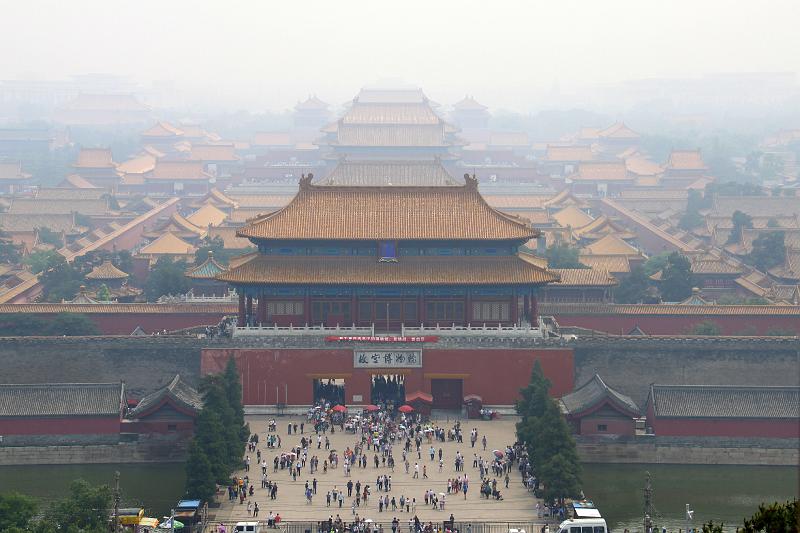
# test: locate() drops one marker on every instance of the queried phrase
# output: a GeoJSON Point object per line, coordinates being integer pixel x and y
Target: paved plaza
{"type": "Point", "coordinates": [518, 504]}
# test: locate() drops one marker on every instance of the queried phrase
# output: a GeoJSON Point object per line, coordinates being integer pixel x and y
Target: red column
{"type": "Point", "coordinates": [249, 308]}
{"type": "Point", "coordinates": [514, 308]}
{"type": "Point", "coordinates": [262, 308]}
{"type": "Point", "coordinates": [306, 307]}
{"type": "Point", "coordinates": [526, 306]}
{"type": "Point", "coordinates": [354, 318]}
{"type": "Point", "coordinates": [467, 308]}
{"type": "Point", "coordinates": [534, 309]}
{"type": "Point", "coordinates": [240, 320]}
{"type": "Point", "coordinates": [421, 308]}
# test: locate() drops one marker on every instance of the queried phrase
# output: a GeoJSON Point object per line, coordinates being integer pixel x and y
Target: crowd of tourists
{"type": "Point", "coordinates": [386, 441]}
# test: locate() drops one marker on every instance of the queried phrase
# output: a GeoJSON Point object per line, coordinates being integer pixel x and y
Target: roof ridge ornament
{"type": "Point", "coordinates": [305, 181]}
{"type": "Point", "coordinates": [471, 182]}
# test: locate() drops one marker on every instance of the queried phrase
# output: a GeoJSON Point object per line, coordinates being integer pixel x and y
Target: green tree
{"type": "Point", "coordinates": [563, 256]}
{"type": "Point", "coordinates": [43, 260]}
{"type": "Point", "coordinates": [655, 263]}
{"type": "Point", "coordinates": [48, 236]}
{"type": "Point", "coordinates": [740, 222]}
{"type": "Point", "coordinates": [676, 278]}
{"type": "Point", "coordinates": [233, 392]}
{"type": "Point", "coordinates": [85, 509]}
{"type": "Point", "coordinates": [711, 527]}
{"type": "Point", "coordinates": [692, 217]}
{"type": "Point", "coordinates": [166, 278]}
{"type": "Point", "coordinates": [732, 299]}
{"type": "Point", "coordinates": [72, 325]}
{"type": "Point", "coordinates": [774, 518]}
{"type": "Point", "coordinates": [217, 246]}
{"type": "Point", "coordinates": [9, 252]}
{"type": "Point", "coordinates": [199, 475]}
{"type": "Point", "coordinates": [706, 327]}
{"type": "Point", "coordinates": [769, 250]}
{"type": "Point", "coordinates": [16, 511]}
{"type": "Point", "coordinates": [61, 281]}
{"type": "Point", "coordinates": [633, 289]}
{"type": "Point", "coordinates": [103, 293]}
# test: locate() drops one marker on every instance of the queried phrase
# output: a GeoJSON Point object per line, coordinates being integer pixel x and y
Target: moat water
{"type": "Point", "coordinates": [721, 493]}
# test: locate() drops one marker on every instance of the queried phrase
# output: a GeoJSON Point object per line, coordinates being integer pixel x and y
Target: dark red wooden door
{"type": "Point", "coordinates": [447, 393]}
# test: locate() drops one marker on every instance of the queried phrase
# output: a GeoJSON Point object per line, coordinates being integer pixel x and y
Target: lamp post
{"type": "Point", "coordinates": [689, 515]}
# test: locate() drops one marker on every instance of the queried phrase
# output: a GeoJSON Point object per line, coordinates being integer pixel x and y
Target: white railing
{"type": "Point", "coordinates": [522, 330]}
{"type": "Point", "coordinates": [540, 330]}
{"type": "Point", "coordinates": [353, 330]}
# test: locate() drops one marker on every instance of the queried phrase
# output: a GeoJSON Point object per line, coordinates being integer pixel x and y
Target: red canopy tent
{"type": "Point", "coordinates": [420, 401]}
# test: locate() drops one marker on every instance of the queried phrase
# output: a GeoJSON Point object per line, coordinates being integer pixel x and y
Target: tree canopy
{"type": "Point", "coordinates": [548, 439]}
{"type": "Point", "coordinates": [633, 289]}
{"type": "Point", "coordinates": [740, 221]}
{"type": "Point", "coordinates": [563, 256]}
{"type": "Point", "coordinates": [769, 250]}
{"type": "Point", "coordinates": [220, 434]}
{"type": "Point", "coordinates": [27, 324]}
{"type": "Point", "coordinates": [676, 278]}
{"type": "Point", "coordinates": [166, 278]}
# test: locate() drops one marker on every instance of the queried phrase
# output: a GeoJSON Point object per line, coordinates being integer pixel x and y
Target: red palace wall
{"type": "Point", "coordinates": [709, 427]}
{"type": "Point", "coordinates": [614, 426]}
{"type": "Point", "coordinates": [679, 324]}
{"type": "Point", "coordinates": [495, 375]}
{"type": "Point", "coordinates": [60, 426]}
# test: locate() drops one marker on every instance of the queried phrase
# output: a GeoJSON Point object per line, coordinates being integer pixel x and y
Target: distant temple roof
{"type": "Point", "coordinates": [583, 277]}
{"type": "Point", "coordinates": [686, 160]}
{"type": "Point", "coordinates": [388, 213]}
{"type": "Point", "coordinates": [312, 103]}
{"type": "Point", "coordinates": [176, 391]}
{"type": "Point", "coordinates": [569, 153]}
{"type": "Point", "coordinates": [594, 392]}
{"type": "Point", "coordinates": [94, 158]}
{"type": "Point", "coordinates": [12, 170]}
{"type": "Point", "coordinates": [106, 271]}
{"type": "Point", "coordinates": [168, 244]}
{"type": "Point", "coordinates": [468, 103]}
{"type": "Point", "coordinates": [720, 401]}
{"type": "Point", "coordinates": [207, 215]}
{"type": "Point", "coordinates": [618, 131]}
{"type": "Point", "coordinates": [61, 399]}
{"type": "Point", "coordinates": [389, 173]}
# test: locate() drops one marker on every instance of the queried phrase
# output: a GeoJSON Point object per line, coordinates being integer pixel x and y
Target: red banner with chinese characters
{"type": "Point", "coordinates": [389, 338]}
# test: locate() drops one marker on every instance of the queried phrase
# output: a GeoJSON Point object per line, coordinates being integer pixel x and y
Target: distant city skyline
{"type": "Point", "coordinates": [509, 55]}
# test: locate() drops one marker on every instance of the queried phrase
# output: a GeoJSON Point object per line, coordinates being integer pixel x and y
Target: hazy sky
{"type": "Point", "coordinates": [271, 53]}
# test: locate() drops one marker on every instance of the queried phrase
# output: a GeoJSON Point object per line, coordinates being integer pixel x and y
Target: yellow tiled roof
{"type": "Point", "coordinates": [410, 270]}
{"type": "Point", "coordinates": [584, 277]}
{"type": "Point", "coordinates": [686, 160]}
{"type": "Point", "coordinates": [94, 158]}
{"type": "Point", "coordinates": [168, 244]}
{"type": "Point", "coordinates": [610, 245]}
{"type": "Point", "coordinates": [572, 217]}
{"type": "Point", "coordinates": [569, 153]}
{"type": "Point", "coordinates": [208, 215]}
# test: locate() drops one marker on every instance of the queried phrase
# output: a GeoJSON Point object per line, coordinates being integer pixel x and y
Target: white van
{"type": "Point", "coordinates": [583, 525]}
{"type": "Point", "coordinates": [246, 527]}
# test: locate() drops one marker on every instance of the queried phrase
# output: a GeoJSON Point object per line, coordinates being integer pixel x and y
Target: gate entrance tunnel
{"type": "Point", "coordinates": [447, 393]}
{"type": "Point", "coordinates": [388, 389]}
{"type": "Point", "coordinates": [329, 391]}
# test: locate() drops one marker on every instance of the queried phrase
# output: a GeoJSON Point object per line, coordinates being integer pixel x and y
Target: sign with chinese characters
{"type": "Point", "coordinates": [387, 358]}
{"type": "Point", "coordinates": [370, 338]}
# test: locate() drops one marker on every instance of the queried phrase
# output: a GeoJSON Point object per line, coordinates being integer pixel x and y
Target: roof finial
{"type": "Point", "coordinates": [470, 182]}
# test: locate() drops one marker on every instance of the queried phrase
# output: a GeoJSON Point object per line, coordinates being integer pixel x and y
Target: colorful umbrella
{"type": "Point", "coordinates": [372, 408]}
{"type": "Point", "coordinates": [405, 409]}
{"type": "Point", "coordinates": [339, 408]}
{"type": "Point", "coordinates": [498, 454]}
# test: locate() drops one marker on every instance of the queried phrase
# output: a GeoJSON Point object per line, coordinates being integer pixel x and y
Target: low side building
{"type": "Point", "coordinates": [594, 408]}
{"type": "Point", "coordinates": [61, 413]}
{"type": "Point", "coordinates": [724, 411]}
{"type": "Point", "coordinates": [170, 411]}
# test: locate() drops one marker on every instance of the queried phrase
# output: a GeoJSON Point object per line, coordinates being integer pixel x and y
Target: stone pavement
{"type": "Point", "coordinates": [518, 504]}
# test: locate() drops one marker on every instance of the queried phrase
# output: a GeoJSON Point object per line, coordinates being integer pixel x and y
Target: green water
{"type": "Point", "coordinates": [720, 492]}
{"type": "Point", "coordinates": [155, 487]}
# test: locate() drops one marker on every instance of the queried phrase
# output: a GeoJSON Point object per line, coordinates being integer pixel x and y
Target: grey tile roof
{"type": "Point", "coordinates": [61, 399]}
{"type": "Point", "coordinates": [593, 392]}
{"type": "Point", "coordinates": [707, 401]}
{"type": "Point", "coordinates": [178, 390]}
